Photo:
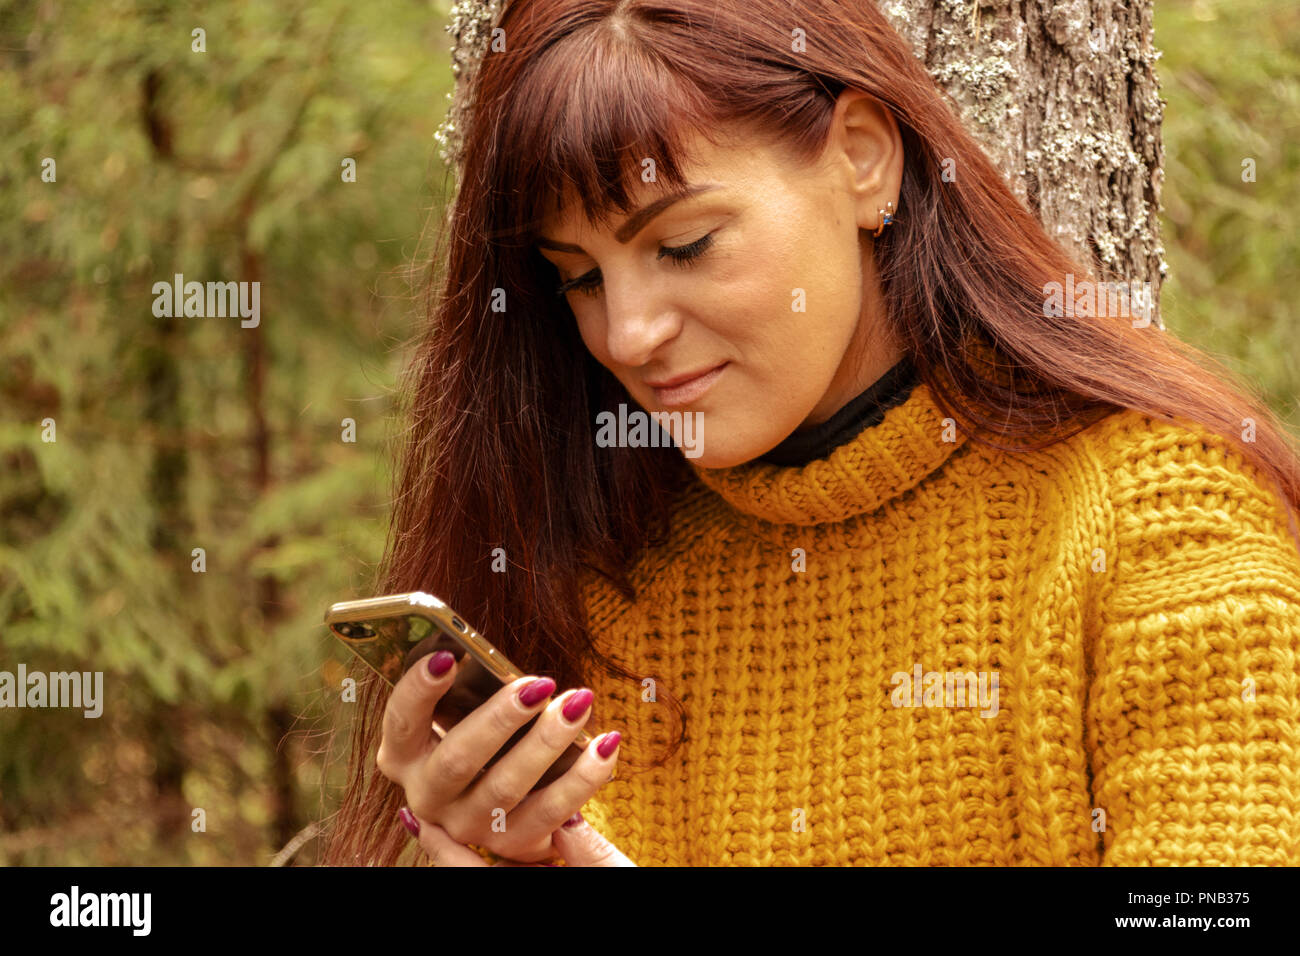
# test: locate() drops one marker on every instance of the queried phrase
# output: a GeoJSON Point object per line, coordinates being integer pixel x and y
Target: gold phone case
{"type": "Point", "coordinates": [390, 633]}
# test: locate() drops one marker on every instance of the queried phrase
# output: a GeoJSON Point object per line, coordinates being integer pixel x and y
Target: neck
{"type": "Point", "coordinates": [872, 351]}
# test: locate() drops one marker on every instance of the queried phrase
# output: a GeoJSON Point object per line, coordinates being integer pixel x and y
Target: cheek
{"type": "Point", "coordinates": [793, 338]}
{"type": "Point", "coordinates": [592, 332]}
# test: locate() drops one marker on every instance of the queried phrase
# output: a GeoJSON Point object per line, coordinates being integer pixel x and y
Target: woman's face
{"type": "Point", "coordinates": [760, 285]}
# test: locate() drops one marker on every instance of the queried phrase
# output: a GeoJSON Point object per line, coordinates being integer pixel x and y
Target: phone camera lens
{"type": "Point", "coordinates": [356, 632]}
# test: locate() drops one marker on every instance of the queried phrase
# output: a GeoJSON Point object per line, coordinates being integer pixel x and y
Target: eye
{"type": "Point", "coordinates": [589, 282]}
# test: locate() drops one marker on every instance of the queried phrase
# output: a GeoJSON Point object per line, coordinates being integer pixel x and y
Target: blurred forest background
{"type": "Point", "coordinates": [177, 434]}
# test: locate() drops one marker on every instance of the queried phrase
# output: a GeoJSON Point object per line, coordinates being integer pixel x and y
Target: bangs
{"type": "Point", "coordinates": [591, 120]}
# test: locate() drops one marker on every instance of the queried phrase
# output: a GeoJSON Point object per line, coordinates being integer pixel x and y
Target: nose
{"type": "Point", "coordinates": [637, 323]}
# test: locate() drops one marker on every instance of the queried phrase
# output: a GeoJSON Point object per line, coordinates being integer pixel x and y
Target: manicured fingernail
{"type": "Point", "coordinates": [441, 662]}
{"type": "Point", "coordinates": [574, 820]}
{"type": "Point", "coordinates": [536, 691]}
{"type": "Point", "coordinates": [409, 821]}
{"type": "Point", "coordinates": [608, 745]}
{"type": "Point", "coordinates": [577, 705]}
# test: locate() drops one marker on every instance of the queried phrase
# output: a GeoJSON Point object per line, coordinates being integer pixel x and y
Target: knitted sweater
{"type": "Point", "coordinates": [921, 651]}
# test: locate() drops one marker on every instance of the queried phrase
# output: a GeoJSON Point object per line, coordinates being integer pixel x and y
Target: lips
{"type": "Point", "coordinates": [689, 387]}
{"type": "Point", "coordinates": [681, 379]}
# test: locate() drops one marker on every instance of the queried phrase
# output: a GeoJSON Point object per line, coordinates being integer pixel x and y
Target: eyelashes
{"type": "Point", "coordinates": [589, 282]}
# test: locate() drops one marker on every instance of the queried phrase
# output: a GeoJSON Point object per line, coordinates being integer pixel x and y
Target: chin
{"type": "Point", "coordinates": [715, 453]}
{"type": "Point", "coordinates": [720, 441]}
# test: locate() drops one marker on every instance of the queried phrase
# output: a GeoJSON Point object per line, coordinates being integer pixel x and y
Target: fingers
{"type": "Point", "coordinates": [511, 778]}
{"type": "Point", "coordinates": [517, 863]}
{"type": "Point", "coordinates": [407, 734]}
{"type": "Point", "coordinates": [441, 848]}
{"type": "Point", "coordinates": [444, 780]}
{"type": "Point", "coordinates": [581, 844]}
{"type": "Point", "coordinates": [461, 755]}
{"type": "Point", "coordinates": [545, 811]}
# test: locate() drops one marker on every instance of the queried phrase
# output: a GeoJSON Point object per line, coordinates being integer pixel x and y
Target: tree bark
{"type": "Point", "coordinates": [1062, 94]}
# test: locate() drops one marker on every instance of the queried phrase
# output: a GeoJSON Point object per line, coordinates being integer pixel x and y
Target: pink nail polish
{"type": "Point", "coordinates": [440, 663]}
{"type": "Point", "coordinates": [409, 821]}
{"type": "Point", "coordinates": [577, 705]}
{"type": "Point", "coordinates": [574, 820]}
{"type": "Point", "coordinates": [536, 691]}
{"type": "Point", "coordinates": [608, 745]}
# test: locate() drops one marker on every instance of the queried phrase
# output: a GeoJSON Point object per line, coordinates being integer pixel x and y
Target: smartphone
{"type": "Point", "coordinates": [392, 632]}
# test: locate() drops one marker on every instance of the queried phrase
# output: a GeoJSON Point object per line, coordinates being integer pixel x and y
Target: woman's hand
{"type": "Point", "coordinates": [578, 842]}
{"type": "Point", "coordinates": [438, 776]}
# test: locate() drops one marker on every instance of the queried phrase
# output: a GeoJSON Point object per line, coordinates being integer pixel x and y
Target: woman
{"type": "Point", "coordinates": [947, 567]}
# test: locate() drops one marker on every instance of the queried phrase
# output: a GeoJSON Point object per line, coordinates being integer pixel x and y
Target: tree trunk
{"type": "Point", "coordinates": [1062, 95]}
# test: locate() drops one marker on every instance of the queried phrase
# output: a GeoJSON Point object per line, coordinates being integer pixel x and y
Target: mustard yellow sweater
{"type": "Point", "coordinates": [920, 651]}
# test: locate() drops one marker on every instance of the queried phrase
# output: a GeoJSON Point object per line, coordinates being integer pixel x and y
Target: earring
{"type": "Point", "coordinates": [886, 218]}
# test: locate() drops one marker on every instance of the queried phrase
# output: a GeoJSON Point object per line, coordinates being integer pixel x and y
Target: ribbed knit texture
{"type": "Point", "coordinates": [1134, 588]}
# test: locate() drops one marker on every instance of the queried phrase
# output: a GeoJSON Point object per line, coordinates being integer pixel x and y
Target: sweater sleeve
{"type": "Point", "coordinates": [1193, 715]}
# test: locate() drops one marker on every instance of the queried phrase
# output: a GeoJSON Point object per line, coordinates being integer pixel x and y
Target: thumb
{"type": "Point", "coordinates": [580, 844]}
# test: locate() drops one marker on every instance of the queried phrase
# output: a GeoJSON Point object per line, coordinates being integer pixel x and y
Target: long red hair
{"type": "Point", "coordinates": [501, 404]}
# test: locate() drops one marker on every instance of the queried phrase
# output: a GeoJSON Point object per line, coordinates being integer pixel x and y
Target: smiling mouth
{"type": "Point", "coordinates": [690, 390]}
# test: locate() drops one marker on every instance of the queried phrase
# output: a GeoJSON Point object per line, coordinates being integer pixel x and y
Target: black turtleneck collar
{"type": "Point", "coordinates": [862, 412]}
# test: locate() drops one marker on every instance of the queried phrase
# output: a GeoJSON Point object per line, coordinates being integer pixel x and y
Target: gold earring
{"type": "Point", "coordinates": [886, 218]}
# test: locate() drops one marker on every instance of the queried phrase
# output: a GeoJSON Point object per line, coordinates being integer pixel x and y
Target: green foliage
{"type": "Point", "coordinates": [222, 165]}
{"type": "Point", "coordinates": [1231, 76]}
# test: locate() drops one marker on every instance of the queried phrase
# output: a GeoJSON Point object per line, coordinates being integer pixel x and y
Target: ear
{"type": "Point", "coordinates": [868, 150]}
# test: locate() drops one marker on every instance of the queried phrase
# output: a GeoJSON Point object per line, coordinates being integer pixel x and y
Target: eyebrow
{"type": "Point", "coordinates": [638, 220]}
